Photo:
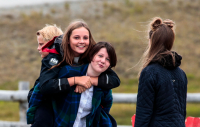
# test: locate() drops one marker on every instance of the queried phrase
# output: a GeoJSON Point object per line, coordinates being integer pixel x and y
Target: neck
{"type": "Point", "coordinates": [91, 72]}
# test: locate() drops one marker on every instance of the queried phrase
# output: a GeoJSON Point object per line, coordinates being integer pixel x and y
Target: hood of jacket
{"type": "Point", "coordinates": [57, 44]}
{"type": "Point", "coordinates": [167, 61]}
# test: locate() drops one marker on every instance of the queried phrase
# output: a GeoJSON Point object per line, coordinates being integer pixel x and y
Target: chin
{"type": "Point", "coordinates": [81, 52]}
{"type": "Point", "coordinates": [100, 71]}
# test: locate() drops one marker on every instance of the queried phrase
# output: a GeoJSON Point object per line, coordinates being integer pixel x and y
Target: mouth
{"type": "Point", "coordinates": [81, 46]}
{"type": "Point", "coordinates": [101, 66]}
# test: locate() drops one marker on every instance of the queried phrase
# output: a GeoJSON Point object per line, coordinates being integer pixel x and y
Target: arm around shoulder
{"type": "Point", "coordinates": [108, 80]}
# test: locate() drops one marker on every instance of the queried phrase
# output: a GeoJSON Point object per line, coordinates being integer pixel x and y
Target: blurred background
{"type": "Point", "coordinates": [120, 22]}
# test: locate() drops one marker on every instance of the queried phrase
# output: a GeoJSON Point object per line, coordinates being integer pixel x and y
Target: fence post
{"type": "Point", "coordinates": [23, 105]}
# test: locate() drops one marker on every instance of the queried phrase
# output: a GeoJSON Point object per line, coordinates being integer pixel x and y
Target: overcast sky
{"type": "Point", "coordinates": [13, 3]}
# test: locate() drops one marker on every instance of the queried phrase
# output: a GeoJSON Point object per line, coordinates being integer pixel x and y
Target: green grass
{"type": "Point", "coordinates": [193, 84]}
{"type": "Point", "coordinates": [9, 111]}
{"type": "Point", "coordinates": [12, 85]}
{"type": "Point", "coordinates": [127, 86]}
{"type": "Point", "coordinates": [123, 113]}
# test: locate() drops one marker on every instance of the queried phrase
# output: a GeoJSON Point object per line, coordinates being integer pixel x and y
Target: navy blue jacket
{"type": "Point", "coordinates": [161, 99]}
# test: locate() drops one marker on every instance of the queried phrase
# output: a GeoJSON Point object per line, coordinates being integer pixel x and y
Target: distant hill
{"type": "Point", "coordinates": [123, 23]}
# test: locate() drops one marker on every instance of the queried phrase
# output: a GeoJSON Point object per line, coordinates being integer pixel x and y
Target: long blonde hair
{"type": "Point", "coordinates": [162, 36]}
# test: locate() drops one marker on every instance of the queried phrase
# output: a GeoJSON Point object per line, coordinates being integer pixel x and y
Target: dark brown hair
{"type": "Point", "coordinates": [110, 49]}
{"type": "Point", "coordinates": [162, 38]}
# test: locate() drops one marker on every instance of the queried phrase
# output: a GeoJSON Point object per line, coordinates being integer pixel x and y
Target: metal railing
{"type": "Point", "coordinates": [21, 97]}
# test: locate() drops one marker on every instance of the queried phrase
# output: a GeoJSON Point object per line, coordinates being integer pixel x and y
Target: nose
{"type": "Point", "coordinates": [82, 40]}
{"type": "Point", "coordinates": [103, 60]}
{"type": "Point", "coordinates": [38, 48]}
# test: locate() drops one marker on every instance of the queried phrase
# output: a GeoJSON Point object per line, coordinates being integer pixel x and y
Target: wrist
{"type": "Point", "coordinates": [74, 81]}
{"type": "Point", "coordinates": [94, 81]}
{"type": "Point", "coordinates": [71, 81]}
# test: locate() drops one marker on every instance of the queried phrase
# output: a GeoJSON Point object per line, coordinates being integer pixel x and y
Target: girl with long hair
{"type": "Point", "coordinates": [162, 90]}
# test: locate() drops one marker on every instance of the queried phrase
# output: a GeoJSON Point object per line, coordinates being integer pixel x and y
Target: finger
{"type": "Point", "coordinates": [86, 85]}
{"type": "Point", "coordinates": [80, 90]}
{"type": "Point", "coordinates": [76, 89]}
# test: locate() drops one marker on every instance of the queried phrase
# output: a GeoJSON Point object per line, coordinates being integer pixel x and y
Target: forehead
{"type": "Point", "coordinates": [80, 31]}
{"type": "Point", "coordinates": [103, 51]}
{"type": "Point", "coordinates": [40, 39]}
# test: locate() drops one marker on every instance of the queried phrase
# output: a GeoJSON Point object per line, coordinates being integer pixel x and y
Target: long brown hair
{"type": "Point", "coordinates": [162, 36]}
{"type": "Point", "coordinates": [68, 56]}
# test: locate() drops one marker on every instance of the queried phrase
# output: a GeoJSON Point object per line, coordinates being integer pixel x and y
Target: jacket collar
{"type": "Point", "coordinates": [167, 61]}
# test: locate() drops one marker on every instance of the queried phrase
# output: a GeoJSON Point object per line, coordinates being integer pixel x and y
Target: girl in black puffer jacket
{"type": "Point", "coordinates": [162, 91]}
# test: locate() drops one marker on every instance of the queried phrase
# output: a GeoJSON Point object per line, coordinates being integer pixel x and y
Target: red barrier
{"type": "Point", "coordinates": [192, 122]}
{"type": "Point", "coordinates": [189, 122]}
{"type": "Point", "coordinates": [133, 120]}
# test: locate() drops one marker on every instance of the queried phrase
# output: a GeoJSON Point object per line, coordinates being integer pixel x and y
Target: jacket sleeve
{"type": "Point", "coordinates": [185, 96]}
{"type": "Point", "coordinates": [107, 101]}
{"type": "Point", "coordinates": [60, 84]}
{"type": "Point", "coordinates": [145, 100]}
{"type": "Point", "coordinates": [49, 82]}
{"type": "Point", "coordinates": [108, 80]}
{"type": "Point", "coordinates": [55, 86]}
{"type": "Point", "coordinates": [31, 90]}
{"type": "Point", "coordinates": [34, 103]}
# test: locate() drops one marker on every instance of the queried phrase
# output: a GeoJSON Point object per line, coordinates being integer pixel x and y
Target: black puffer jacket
{"type": "Point", "coordinates": [161, 99]}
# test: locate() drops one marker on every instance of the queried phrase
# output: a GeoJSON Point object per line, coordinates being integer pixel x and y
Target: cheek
{"type": "Point", "coordinates": [87, 42]}
{"type": "Point", "coordinates": [44, 54]}
{"type": "Point", "coordinates": [71, 41]}
{"type": "Point", "coordinates": [107, 64]}
{"type": "Point", "coordinates": [93, 61]}
{"type": "Point", "coordinates": [72, 45]}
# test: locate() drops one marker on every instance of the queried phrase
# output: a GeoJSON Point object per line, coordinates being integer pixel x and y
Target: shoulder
{"type": "Point", "coordinates": [51, 60]}
{"type": "Point", "coordinates": [150, 70]}
{"type": "Point", "coordinates": [155, 69]}
{"type": "Point", "coordinates": [151, 73]}
{"type": "Point", "coordinates": [75, 67]}
{"type": "Point", "coordinates": [69, 70]}
{"type": "Point", "coordinates": [156, 72]}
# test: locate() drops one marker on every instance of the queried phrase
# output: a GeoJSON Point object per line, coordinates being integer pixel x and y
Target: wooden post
{"type": "Point", "coordinates": [23, 105]}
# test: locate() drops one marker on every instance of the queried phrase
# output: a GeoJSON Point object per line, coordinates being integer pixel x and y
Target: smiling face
{"type": "Point", "coordinates": [79, 41]}
{"type": "Point", "coordinates": [100, 61]}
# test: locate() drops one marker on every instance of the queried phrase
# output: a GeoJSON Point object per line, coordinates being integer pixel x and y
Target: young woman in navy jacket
{"type": "Point", "coordinates": [162, 90]}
